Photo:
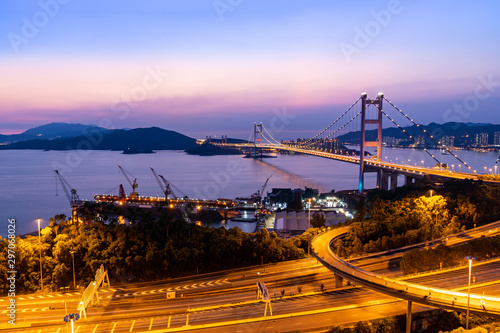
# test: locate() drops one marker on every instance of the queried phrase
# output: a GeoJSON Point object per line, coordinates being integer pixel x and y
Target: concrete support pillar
{"type": "Point", "coordinates": [379, 178]}
{"type": "Point", "coordinates": [339, 281]}
{"type": "Point", "coordinates": [394, 180]}
{"type": "Point", "coordinates": [408, 180]}
{"type": "Point", "coordinates": [385, 180]}
{"type": "Point", "coordinates": [408, 318]}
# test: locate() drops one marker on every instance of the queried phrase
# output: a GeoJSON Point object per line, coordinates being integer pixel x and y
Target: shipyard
{"type": "Point", "coordinates": [284, 210]}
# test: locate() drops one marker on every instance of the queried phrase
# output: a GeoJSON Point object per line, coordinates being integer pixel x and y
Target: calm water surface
{"type": "Point", "coordinates": [29, 182]}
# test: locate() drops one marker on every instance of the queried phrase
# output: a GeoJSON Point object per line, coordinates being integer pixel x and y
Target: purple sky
{"type": "Point", "coordinates": [217, 66]}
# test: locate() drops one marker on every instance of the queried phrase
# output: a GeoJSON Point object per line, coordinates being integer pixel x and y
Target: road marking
{"type": "Point", "coordinates": [31, 297]}
{"type": "Point", "coordinates": [51, 296]}
{"type": "Point", "coordinates": [20, 298]}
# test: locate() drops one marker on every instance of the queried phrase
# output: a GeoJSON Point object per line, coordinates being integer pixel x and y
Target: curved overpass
{"type": "Point", "coordinates": [435, 297]}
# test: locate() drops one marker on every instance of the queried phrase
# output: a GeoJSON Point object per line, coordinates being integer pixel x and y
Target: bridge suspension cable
{"type": "Point", "coordinates": [270, 136]}
{"type": "Point", "coordinates": [429, 136]}
{"type": "Point", "coordinates": [409, 136]}
{"type": "Point", "coordinates": [329, 126]}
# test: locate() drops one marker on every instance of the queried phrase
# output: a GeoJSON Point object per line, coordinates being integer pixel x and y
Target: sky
{"type": "Point", "coordinates": [217, 66]}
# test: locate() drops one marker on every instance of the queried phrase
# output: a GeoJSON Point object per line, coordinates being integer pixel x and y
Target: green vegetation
{"type": "Point", "coordinates": [318, 220]}
{"type": "Point", "coordinates": [433, 321]}
{"type": "Point", "coordinates": [490, 177]}
{"type": "Point", "coordinates": [430, 259]}
{"type": "Point", "coordinates": [145, 250]}
{"type": "Point", "coordinates": [409, 215]}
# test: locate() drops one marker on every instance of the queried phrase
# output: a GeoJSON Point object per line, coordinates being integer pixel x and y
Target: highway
{"type": "Point", "coordinates": [418, 293]}
{"type": "Point", "coordinates": [231, 297]}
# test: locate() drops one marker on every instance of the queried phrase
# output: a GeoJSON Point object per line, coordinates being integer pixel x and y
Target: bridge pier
{"type": "Point", "coordinates": [339, 281]}
{"type": "Point", "coordinates": [409, 180]}
{"type": "Point", "coordinates": [394, 180]}
{"type": "Point", "coordinates": [385, 180]}
{"type": "Point", "coordinates": [408, 318]}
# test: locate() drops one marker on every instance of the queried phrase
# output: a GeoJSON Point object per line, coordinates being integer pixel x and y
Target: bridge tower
{"type": "Point", "coordinates": [257, 138]}
{"type": "Point", "coordinates": [363, 143]}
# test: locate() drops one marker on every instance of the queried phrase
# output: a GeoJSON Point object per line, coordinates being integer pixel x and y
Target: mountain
{"type": "Point", "coordinates": [464, 133]}
{"type": "Point", "coordinates": [51, 131]}
{"type": "Point", "coordinates": [152, 138]}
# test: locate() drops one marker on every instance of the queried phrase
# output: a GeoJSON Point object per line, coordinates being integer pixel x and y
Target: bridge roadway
{"type": "Point", "coordinates": [212, 298]}
{"type": "Point", "coordinates": [424, 294]}
{"type": "Point", "coordinates": [371, 164]}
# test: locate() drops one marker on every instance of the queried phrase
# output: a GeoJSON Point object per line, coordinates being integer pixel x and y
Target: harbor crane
{"type": "Point", "coordinates": [165, 188]}
{"type": "Point", "coordinates": [261, 191]}
{"type": "Point", "coordinates": [134, 185]}
{"type": "Point", "coordinates": [168, 188]}
{"type": "Point", "coordinates": [70, 192]}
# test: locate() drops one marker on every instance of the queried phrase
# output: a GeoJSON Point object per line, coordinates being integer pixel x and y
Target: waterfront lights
{"type": "Point", "coordinates": [40, 247]}
{"type": "Point", "coordinates": [469, 258]}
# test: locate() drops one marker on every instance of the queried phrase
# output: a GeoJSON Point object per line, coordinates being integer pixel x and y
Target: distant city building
{"type": "Point", "coordinates": [390, 141]}
{"type": "Point", "coordinates": [496, 140]}
{"type": "Point", "coordinates": [448, 141]}
{"type": "Point", "coordinates": [481, 140]}
{"type": "Point", "coordinates": [419, 140]}
{"type": "Point", "coordinates": [310, 193]}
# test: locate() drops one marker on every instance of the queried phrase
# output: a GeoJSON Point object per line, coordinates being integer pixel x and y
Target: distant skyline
{"type": "Point", "coordinates": [217, 66]}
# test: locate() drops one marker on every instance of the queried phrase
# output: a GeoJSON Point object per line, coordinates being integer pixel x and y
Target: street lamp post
{"type": "Point", "coordinates": [74, 280]}
{"type": "Point", "coordinates": [40, 246]}
{"type": "Point", "coordinates": [431, 193]}
{"type": "Point", "coordinates": [309, 227]}
{"type": "Point", "coordinates": [469, 258]}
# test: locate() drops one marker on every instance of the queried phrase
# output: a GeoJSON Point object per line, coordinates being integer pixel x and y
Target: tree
{"type": "Point", "coordinates": [318, 220]}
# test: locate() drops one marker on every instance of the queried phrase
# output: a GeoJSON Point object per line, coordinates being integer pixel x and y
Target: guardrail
{"type": "Point", "coordinates": [436, 297]}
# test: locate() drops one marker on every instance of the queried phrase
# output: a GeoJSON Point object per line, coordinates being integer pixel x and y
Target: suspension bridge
{"type": "Point", "coordinates": [364, 114]}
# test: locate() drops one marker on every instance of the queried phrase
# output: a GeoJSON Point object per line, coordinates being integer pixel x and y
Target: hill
{"type": "Point", "coordinates": [464, 133]}
{"type": "Point", "coordinates": [152, 138]}
{"type": "Point", "coordinates": [51, 131]}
